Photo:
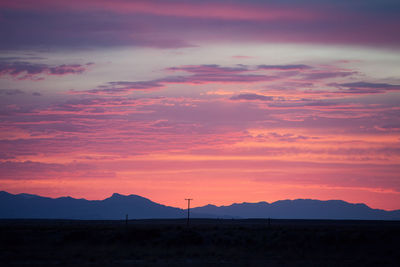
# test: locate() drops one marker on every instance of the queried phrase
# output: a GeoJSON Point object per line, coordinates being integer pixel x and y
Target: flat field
{"type": "Point", "coordinates": [205, 242]}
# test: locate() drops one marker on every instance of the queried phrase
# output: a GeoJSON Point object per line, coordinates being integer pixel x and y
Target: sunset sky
{"type": "Point", "coordinates": [222, 101]}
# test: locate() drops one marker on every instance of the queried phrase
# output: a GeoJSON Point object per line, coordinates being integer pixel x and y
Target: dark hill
{"type": "Point", "coordinates": [301, 209]}
{"type": "Point", "coordinates": [117, 206]}
{"type": "Point", "coordinates": [114, 207]}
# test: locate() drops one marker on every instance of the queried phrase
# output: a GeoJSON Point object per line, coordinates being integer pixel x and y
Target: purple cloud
{"type": "Point", "coordinates": [124, 86]}
{"type": "Point", "coordinates": [212, 68]}
{"type": "Point", "coordinates": [68, 69]}
{"type": "Point", "coordinates": [200, 74]}
{"type": "Point", "coordinates": [328, 74]}
{"type": "Point", "coordinates": [252, 97]}
{"type": "Point", "coordinates": [22, 70]}
{"type": "Point", "coordinates": [213, 73]}
{"type": "Point", "coordinates": [11, 92]}
{"type": "Point", "coordinates": [284, 67]}
{"type": "Point", "coordinates": [169, 24]}
{"type": "Point", "coordinates": [289, 137]}
{"type": "Point", "coordinates": [366, 87]}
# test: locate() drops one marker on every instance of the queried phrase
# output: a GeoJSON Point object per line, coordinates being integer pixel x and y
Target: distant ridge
{"type": "Point", "coordinates": [112, 208]}
{"type": "Point", "coordinates": [30, 206]}
{"type": "Point", "coordinates": [301, 209]}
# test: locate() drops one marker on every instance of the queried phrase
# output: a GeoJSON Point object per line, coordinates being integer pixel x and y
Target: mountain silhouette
{"type": "Point", "coordinates": [301, 209]}
{"type": "Point", "coordinates": [114, 207]}
{"type": "Point", "coordinates": [117, 206]}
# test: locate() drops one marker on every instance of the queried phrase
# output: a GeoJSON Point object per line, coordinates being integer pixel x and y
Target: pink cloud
{"type": "Point", "coordinates": [241, 57]}
{"type": "Point", "coordinates": [283, 139]}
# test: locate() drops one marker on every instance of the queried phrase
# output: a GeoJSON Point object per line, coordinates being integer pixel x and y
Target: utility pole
{"type": "Point", "coordinates": [188, 209]}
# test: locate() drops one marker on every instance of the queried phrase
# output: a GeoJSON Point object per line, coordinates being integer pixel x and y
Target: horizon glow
{"type": "Point", "coordinates": [220, 101]}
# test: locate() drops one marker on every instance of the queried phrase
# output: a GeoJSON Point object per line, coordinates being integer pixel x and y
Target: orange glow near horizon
{"type": "Point", "coordinates": [208, 191]}
{"type": "Point", "coordinates": [222, 102]}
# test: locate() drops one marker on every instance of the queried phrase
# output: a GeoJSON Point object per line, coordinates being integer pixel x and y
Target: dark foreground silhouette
{"type": "Point", "coordinates": [117, 206]}
{"type": "Point", "coordinates": [205, 242]}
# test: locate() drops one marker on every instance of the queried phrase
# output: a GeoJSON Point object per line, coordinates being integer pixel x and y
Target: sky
{"type": "Point", "coordinates": [221, 101]}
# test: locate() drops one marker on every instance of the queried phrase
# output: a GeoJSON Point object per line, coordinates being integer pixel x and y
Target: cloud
{"type": "Point", "coordinates": [389, 128]}
{"type": "Point", "coordinates": [21, 58]}
{"type": "Point", "coordinates": [288, 137]}
{"type": "Point", "coordinates": [252, 97]}
{"type": "Point", "coordinates": [212, 68]}
{"type": "Point", "coordinates": [199, 74]}
{"type": "Point", "coordinates": [175, 24]}
{"type": "Point", "coordinates": [63, 29]}
{"type": "Point", "coordinates": [34, 170]}
{"type": "Point", "coordinates": [284, 67]}
{"type": "Point", "coordinates": [220, 78]}
{"type": "Point", "coordinates": [122, 87]}
{"type": "Point", "coordinates": [68, 69]}
{"type": "Point", "coordinates": [241, 57]}
{"type": "Point", "coordinates": [366, 87]}
{"type": "Point", "coordinates": [328, 74]}
{"type": "Point", "coordinates": [178, 8]}
{"type": "Point", "coordinates": [289, 75]}
{"type": "Point", "coordinates": [11, 92]}
{"type": "Point", "coordinates": [213, 73]}
{"type": "Point", "coordinates": [22, 70]}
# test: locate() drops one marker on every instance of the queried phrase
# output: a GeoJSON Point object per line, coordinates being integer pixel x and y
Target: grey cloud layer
{"type": "Point", "coordinates": [82, 24]}
{"type": "Point", "coordinates": [24, 70]}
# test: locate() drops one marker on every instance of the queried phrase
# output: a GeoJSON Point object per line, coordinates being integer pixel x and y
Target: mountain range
{"type": "Point", "coordinates": [117, 206]}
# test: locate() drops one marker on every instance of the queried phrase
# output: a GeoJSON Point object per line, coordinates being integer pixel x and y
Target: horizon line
{"type": "Point", "coordinates": [244, 202]}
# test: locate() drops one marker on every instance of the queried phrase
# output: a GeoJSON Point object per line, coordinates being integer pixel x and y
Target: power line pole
{"type": "Point", "coordinates": [188, 209]}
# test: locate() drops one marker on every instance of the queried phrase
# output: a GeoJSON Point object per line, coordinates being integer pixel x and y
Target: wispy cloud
{"type": "Point", "coordinates": [23, 70]}
{"type": "Point", "coordinates": [251, 97]}
{"type": "Point", "coordinates": [313, 106]}
{"type": "Point", "coordinates": [212, 68]}
{"type": "Point", "coordinates": [11, 92]}
{"type": "Point", "coordinates": [284, 67]}
{"type": "Point", "coordinates": [366, 87]}
{"type": "Point", "coordinates": [198, 74]}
